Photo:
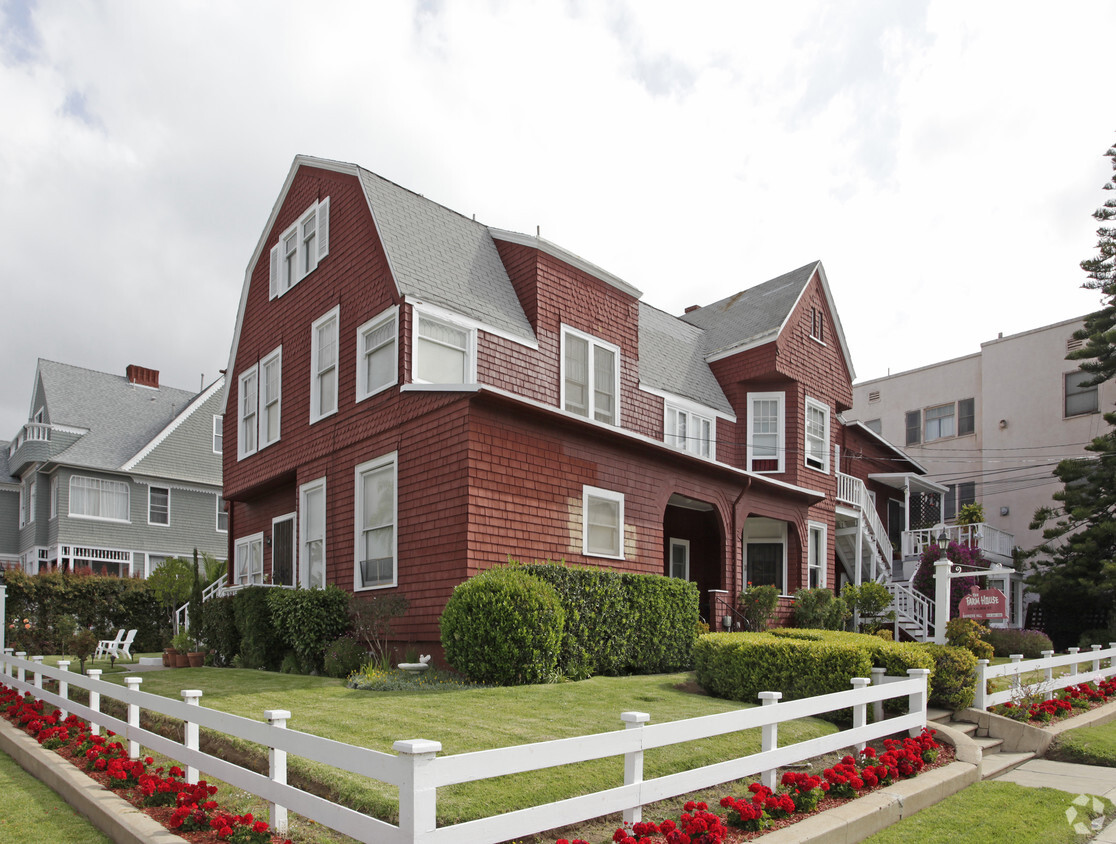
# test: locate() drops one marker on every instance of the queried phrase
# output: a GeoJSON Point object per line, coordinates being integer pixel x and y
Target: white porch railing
{"type": "Point", "coordinates": [852, 491]}
{"type": "Point", "coordinates": [994, 544]}
{"type": "Point", "coordinates": [182, 614]}
{"type": "Point", "coordinates": [914, 612]}
{"type": "Point", "coordinates": [1018, 667]}
{"type": "Point", "coordinates": [31, 432]}
{"type": "Point", "coordinates": [418, 771]}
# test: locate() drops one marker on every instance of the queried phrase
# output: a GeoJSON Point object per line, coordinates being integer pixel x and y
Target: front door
{"type": "Point", "coordinates": [282, 551]}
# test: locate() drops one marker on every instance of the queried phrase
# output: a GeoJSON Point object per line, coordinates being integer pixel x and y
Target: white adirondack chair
{"type": "Point", "coordinates": [124, 648]}
{"type": "Point", "coordinates": [106, 645]}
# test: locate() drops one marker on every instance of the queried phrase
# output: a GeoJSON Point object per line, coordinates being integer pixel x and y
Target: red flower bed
{"type": "Point", "coordinates": [1065, 703]}
{"type": "Point", "coordinates": [189, 810]}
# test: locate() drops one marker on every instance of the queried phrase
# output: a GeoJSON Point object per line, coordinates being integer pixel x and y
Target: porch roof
{"type": "Point", "coordinates": [901, 480]}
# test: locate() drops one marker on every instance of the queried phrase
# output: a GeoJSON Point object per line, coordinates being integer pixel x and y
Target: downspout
{"type": "Point", "coordinates": [737, 536]}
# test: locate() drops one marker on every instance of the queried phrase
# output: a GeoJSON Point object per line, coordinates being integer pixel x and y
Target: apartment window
{"type": "Point", "coordinates": [875, 426]}
{"type": "Point", "coordinates": [590, 377]}
{"type": "Point", "coordinates": [248, 408]}
{"type": "Point", "coordinates": [817, 324]}
{"type": "Point", "coordinates": [603, 523]}
{"type": "Point", "coordinates": [966, 416]}
{"type": "Point", "coordinates": [765, 432]}
{"type": "Point", "coordinates": [27, 503]}
{"type": "Point", "coordinates": [299, 249]}
{"type": "Point", "coordinates": [323, 358]}
{"type": "Point", "coordinates": [158, 505]}
{"type": "Point", "coordinates": [312, 556]}
{"type": "Point", "coordinates": [914, 427]}
{"type": "Point", "coordinates": [1080, 399]}
{"type": "Point", "coordinates": [939, 422]}
{"type": "Point", "coordinates": [957, 496]}
{"type": "Point", "coordinates": [218, 434]}
{"type": "Point", "coordinates": [271, 380]}
{"type": "Point", "coordinates": [817, 435]}
{"type": "Point", "coordinates": [444, 352]}
{"type": "Point", "coordinates": [99, 498]}
{"type": "Point", "coordinates": [249, 560]}
{"type": "Point", "coordinates": [375, 524]}
{"type": "Point", "coordinates": [222, 516]}
{"type": "Point", "coordinates": [689, 431]}
{"type": "Point", "coordinates": [54, 497]}
{"type": "Point", "coordinates": [377, 357]}
{"type": "Point", "coordinates": [815, 548]}
{"type": "Point", "coordinates": [765, 565]}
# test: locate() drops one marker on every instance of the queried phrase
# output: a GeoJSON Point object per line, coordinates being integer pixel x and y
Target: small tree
{"type": "Point", "coordinates": [84, 644]}
{"type": "Point", "coordinates": [371, 619]}
{"type": "Point", "coordinates": [172, 583]}
{"type": "Point", "coordinates": [869, 601]}
{"type": "Point", "coordinates": [757, 605]}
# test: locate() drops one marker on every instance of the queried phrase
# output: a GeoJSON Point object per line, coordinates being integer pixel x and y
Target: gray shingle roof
{"type": "Point", "coordinates": [444, 258]}
{"type": "Point", "coordinates": [120, 418]}
{"type": "Point", "coordinates": [753, 314]}
{"type": "Point", "coordinates": [672, 359]}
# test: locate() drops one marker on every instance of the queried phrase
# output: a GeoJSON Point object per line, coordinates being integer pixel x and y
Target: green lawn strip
{"type": "Point", "coordinates": [992, 813]}
{"type": "Point", "coordinates": [474, 719]}
{"type": "Point", "coordinates": [1094, 745]}
{"type": "Point", "coordinates": [31, 813]}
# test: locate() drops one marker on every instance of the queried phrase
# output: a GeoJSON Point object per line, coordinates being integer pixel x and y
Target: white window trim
{"type": "Point", "coordinates": [390, 459]}
{"type": "Point", "coordinates": [316, 414]}
{"type": "Point", "coordinates": [253, 394]}
{"type": "Point", "coordinates": [304, 265]}
{"type": "Point", "coordinates": [683, 543]}
{"type": "Point", "coordinates": [588, 492]}
{"type": "Point", "coordinates": [218, 431]}
{"type": "Point", "coordinates": [822, 564]}
{"type": "Point", "coordinates": [594, 342]}
{"type": "Point", "coordinates": [806, 457]}
{"type": "Point", "coordinates": [303, 557]}
{"type": "Point", "coordinates": [362, 390]}
{"type": "Point", "coordinates": [74, 515]}
{"type": "Point", "coordinates": [691, 444]}
{"type": "Point", "coordinates": [217, 521]}
{"type": "Point", "coordinates": [247, 542]}
{"type": "Point", "coordinates": [150, 490]}
{"type": "Point", "coordinates": [781, 441]}
{"type": "Point", "coordinates": [926, 420]}
{"type": "Point", "coordinates": [777, 537]}
{"type": "Point", "coordinates": [439, 315]}
{"type": "Point", "coordinates": [275, 356]}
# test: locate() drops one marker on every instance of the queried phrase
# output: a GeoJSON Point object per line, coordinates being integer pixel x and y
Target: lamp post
{"type": "Point", "coordinates": [941, 589]}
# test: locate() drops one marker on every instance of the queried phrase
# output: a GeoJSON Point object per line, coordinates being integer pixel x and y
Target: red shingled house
{"type": "Point", "coordinates": [414, 396]}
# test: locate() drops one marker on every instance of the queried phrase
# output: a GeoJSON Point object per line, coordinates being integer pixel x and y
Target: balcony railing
{"type": "Point", "coordinates": [994, 544]}
{"type": "Point", "coordinates": [31, 432]}
{"type": "Point", "coordinates": [853, 492]}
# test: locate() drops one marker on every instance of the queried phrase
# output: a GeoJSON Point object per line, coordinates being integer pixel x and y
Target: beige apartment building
{"type": "Point", "coordinates": [991, 426]}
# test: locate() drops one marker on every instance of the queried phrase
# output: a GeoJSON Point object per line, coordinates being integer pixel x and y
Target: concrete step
{"type": "Point", "coordinates": [988, 746]}
{"type": "Point", "coordinates": [940, 715]}
{"type": "Point", "coordinates": [1000, 763]}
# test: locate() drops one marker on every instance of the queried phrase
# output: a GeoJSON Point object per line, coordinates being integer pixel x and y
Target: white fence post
{"type": "Point", "coordinates": [633, 762]}
{"type": "Point", "coordinates": [133, 684]}
{"type": "Point", "coordinates": [1096, 659]}
{"type": "Point", "coordinates": [980, 699]}
{"type": "Point", "coordinates": [94, 700]}
{"type": "Point", "coordinates": [860, 710]}
{"type": "Point", "coordinates": [7, 665]}
{"type": "Point", "coordinates": [1112, 659]}
{"type": "Point", "coordinates": [38, 681]}
{"type": "Point", "coordinates": [916, 702]}
{"type": "Point", "coordinates": [417, 798]}
{"type": "Point", "coordinates": [1048, 677]}
{"type": "Point", "coordinates": [1071, 652]}
{"type": "Point", "coordinates": [877, 706]}
{"type": "Point", "coordinates": [19, 671]}
{"type": "Point", "coordinates": [770, 734]}
{"type": "Point", "coordinates": [1017, 677]}
{"type": "Point", "coordinates": [190, 731]}
{"type": "Point", "coordinates": [277, 769]}
{"type": "Point", "coordinates": [63, 688]}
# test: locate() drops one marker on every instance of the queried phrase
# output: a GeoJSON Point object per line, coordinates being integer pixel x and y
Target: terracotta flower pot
{"type": "Point", "coordinates": [168, 657]}
{"type": "Point", "coordinates": [181, 660]}
{"type": "Point", "coordinates": [196, 658]}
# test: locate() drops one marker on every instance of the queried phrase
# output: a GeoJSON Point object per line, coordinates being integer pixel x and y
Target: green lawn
{"type": "Point", "coordinates": [1087, 745]}
{"type": "Point", "coordinates": [992, 813]}
{"type": "Point", "coordinates": [32, 813]}
{"type": "Point", "coordinates": [465, 720]}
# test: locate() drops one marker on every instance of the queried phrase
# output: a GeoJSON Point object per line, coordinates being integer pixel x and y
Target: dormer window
{"type": "Point", "coordinates": [445, 350]}
{"type": "Point", "coordinates": [689, 431]}
{"type": "Point", "coordinates": [590, 377]}
{"type": "Point", "coordinates": [299, 249]}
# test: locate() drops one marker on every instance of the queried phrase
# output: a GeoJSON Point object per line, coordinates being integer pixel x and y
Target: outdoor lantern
{"type": "Point", "coordinates": [726, 622]}
{"type": "Point", "coordinates": [943, 543]}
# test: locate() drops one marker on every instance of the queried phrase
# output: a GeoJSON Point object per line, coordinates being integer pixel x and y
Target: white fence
{"type": "Point", "coordinates": [418, 771]}
{"type": "Point", "coordinates": [1021, 685]}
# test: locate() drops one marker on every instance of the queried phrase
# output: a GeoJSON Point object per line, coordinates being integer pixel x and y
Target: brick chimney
{"type": "Point", "coordinates": [143, 376]}
{"type": "Point", "coordinates": [693, 308]}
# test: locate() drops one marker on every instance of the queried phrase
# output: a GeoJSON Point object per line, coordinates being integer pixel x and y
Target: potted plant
{"type": "Point", "coordinates": [181, 645]}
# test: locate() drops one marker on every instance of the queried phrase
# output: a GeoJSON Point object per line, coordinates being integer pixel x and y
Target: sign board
{"type": "Point", "coordinates": [984, 604]}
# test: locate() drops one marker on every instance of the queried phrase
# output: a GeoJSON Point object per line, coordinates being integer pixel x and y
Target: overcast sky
{"type": "Point", "coordinates": [941, 158]}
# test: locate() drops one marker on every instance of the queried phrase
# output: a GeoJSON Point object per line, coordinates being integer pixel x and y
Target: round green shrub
{"type": "Point", "coordinates": [344, 656]}
{"type": "Point", "coordinates": [1030, 643]}
{"type": "Point", "coordinates": [504, 627]}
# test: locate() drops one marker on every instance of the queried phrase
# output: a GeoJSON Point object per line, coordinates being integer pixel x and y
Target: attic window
{"type": "Point", "coordinates": [299, 249]}
{"type": "Point", "coordinates": [817, 325]}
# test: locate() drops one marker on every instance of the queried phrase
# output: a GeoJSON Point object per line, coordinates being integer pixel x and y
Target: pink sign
{"type": "Point", "coordinates": [983, 603]}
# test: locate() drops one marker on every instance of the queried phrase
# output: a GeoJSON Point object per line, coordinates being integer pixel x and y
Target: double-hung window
{"type": "Point", "coordinates": [248, 404]}
{"type": "Point", "coordinates": [1080, 399]}
{"type": "Point", "coordinates": [54, 496]}
{"type": "Point", "coordinates": [222, 516]}
{"type": "Point", "coordinates": [766, 444]}
{"type": "Point", "coordinates": [817, 435]}
{"type": "Point", "coordinates": [590, 377]}
{"type": "Point", "coordinates": [444, 351]}
{"type": "Point", "coordinates": [323, 365]}
{"type": "Point", "coordinates": [299, 249]}
{"type": "Point", "coordinates": [249, 560]}
{"type": "Point", "coordinates": [312, 554]}
{"type": "Point", "coordinates": [218, 434]}
{"type": "Point", "coordinates": [99, 498]}
{"type": "Point", "coordinates": [377, 357]}
{"type": "Point", "coordinates": [816, 553]}
{"type": "Point", "coordinates": [27, 503]}
{"type": "Point", "coordinates": [376, 514]}
{"type": "Point", "coordinates": [259, 406]}
{"type": "Point", "coordinates": [271, 381]}
{"type": "Point", "coordinates": [603, 528]}
{"type": "Point", "coordinates": [689, 431]}
{"type": "Point", "coordinates": [158, 505]}
{"type": "Point", "coordinates": [939, 422]}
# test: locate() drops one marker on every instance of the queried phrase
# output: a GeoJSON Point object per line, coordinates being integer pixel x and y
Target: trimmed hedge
{"type": "Point", "coordinates": [1030, 643]}
{"type": "Point", "coordinates": [504, 626]}
{"type": "Point", "coordinates": [260, 645]}
{"type": "Point", "coordinates": [219, 630]}
{"type": "Point", "coordinates": [308, 620]}
{"type": "Point", "coordinates": [805, 663]}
